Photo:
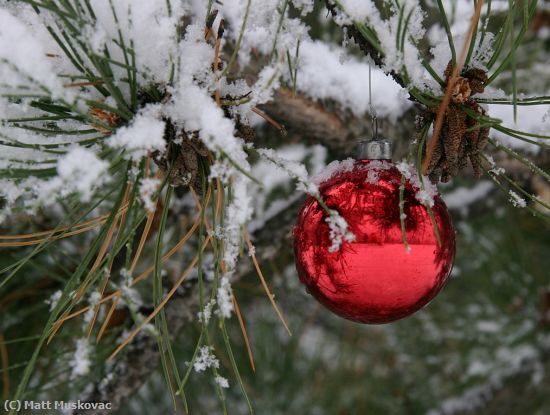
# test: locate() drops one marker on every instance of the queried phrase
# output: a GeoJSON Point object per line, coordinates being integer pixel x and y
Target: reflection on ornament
{"type": "Point", "coordinates": [374, 278]}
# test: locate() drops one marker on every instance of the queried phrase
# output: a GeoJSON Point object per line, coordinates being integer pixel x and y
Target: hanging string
{"type": "Point", "coordinates": [374, 118]}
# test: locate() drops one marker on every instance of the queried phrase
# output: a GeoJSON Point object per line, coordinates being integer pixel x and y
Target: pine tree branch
{"type": "Point", "coordinates": [354, 34]}
{"type": "Point", "coordinates": [133, 369]}
{"type": "Point", "coordinates": [326, 123]}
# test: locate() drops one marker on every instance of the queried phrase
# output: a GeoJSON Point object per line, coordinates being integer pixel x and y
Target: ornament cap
{"type": "Point", "coordinates": [376, 149]}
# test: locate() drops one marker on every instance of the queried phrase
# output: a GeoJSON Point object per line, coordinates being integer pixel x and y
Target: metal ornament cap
{"type": "Point", "coordinates": [376, 149]}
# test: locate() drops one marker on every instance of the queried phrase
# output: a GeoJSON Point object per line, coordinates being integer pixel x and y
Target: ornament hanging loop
{"type": "Point", "coordinates": [374, 118]}
{"type": "Point", "coordinates": [377, 148]}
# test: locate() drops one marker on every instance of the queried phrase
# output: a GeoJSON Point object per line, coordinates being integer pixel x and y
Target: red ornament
{"type": "Point", "coordinates": [373, 278]}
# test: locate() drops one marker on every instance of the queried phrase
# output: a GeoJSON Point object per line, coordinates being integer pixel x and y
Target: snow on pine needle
{"type": "Point", "coordinates": [294, 169]}
{"type": "Point", "coordinates": [81, 361]}
{"type": "Point", "coordinates": [167, 74]}
{"type": "Point", "coordinates": [206, 359]}
{"type": "Point", "coordinates": [104, 105]}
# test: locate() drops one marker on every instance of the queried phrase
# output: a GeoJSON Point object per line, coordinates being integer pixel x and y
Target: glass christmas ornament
{"type": "Point", "coordinates": [373, 276]}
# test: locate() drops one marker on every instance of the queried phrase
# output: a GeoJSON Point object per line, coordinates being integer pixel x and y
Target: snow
{"type": "Point", "coordinates": [206, 359]}
{"type": "Point", "coordinates": [322, 75]}
{"type": "Point", "coordinates": [147, 24]}
{"type": "Point", "coordinates": [221, 382]}
{"type": "Point", "coordinates": [425, 190]}
{"type": "Point", "coordinates": [387, 30]}
{"type": "Point", "coordinates": [305, 6]}
{"type": "Point", "coordinates": [93, 300]}
{"type": "Point", "coordinates": [517, 200]}
{"type": "Point", "coordinates": [294, 169]}
{"type": "Point", "coordinates": [238, 213]}
{"type": "Point", "coordinates": [144, 135]}
{"type": "Point", "coordinates": [530, 119]}
{"type": "Point", "coordinates": [79, 171]}
{"type": "Point", "coordinates": [261, 26]}
{"type": "Point", "coordinates": [23, 58]}
{"type": "Point", "coordinates": [462, 198]}
{"type": "Point", "coordinates": [206, 313]}
{"type": "Point", "coordinates": [359, 10]}
{"type": "Point", "coordinates": [147, 189]}
{"type": "Point", "coordinates": [268, 81]}
{"type": "Point", "coordinates": [496, 170]}
{"type": "Point", "coordinates": [338, 231]}
{"type": "Point", "coordinates": [54, 299]}
{"type": "Point", "coordinates": [81, 363]}
{"type": "Point", "coordinates": [224, 297]}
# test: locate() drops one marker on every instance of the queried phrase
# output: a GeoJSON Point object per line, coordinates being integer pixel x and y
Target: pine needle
{"type": "Point", "coordinates": [5, 368]}
{"type": "Point", "coordinates": [106, 279]}
{"type": "Point", "coordinates": [59, 234]}
{"type": "Point", "coordinates": [98, 306]}
{"type": "Point", "coordinates": [144, 235]}
{"type": "Point", "coordinates": [102, 251]}
{"type": "Point", "coordinates": [172, 251]}
{"type": "Point", "coordinates": [45, 233]}
{"type": "Point", "coordinates": [264, 282]}
{"type": "Point", "coordinates": [99, 259]}
{"type": "Point", "coordinates": [40, 241]}
{"type": "Point", "coordinates": [136, 280]}
{"type": "Point", "coordinates": [270, 120]}
{"type": "Point", "coordinates": [243, 330]}
{"type": "Point", "coordinates": [161, 304]}
{"type": "Point", "coordinates": [108, 318]}
{"type": "Point", "coordinates": [81, 84]}
{"type": "Point", "coordinates": [233, 297]}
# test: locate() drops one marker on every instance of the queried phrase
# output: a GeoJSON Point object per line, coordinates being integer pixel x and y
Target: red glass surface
{"type": "Point", "coordinates": [373, 279]}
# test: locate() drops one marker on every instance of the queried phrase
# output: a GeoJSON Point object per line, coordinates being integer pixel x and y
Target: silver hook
{"type": "Point", "coordinates": [376, 148]}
